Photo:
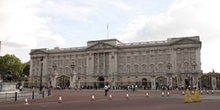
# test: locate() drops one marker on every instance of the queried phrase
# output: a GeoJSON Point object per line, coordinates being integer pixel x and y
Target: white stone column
{"type": "Point", "coordinates": [213, 82]}
{"type": "Point", "coordinates": [53, 81]}
{"type": "Point", "coordinates": [153, 85]}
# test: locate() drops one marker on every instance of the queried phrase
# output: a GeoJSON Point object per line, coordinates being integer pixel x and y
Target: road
{"type": "Point", "coordinates": [81, 100]}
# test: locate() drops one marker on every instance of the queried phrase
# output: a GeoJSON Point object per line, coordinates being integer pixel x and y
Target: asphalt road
{"type": "Point", "coordinates": [81, 100]}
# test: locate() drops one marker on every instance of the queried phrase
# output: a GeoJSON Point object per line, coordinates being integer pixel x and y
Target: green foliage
{"type": "Point", "coordinates": [11, 63]}
{"type": "Point", "coordinates": [26, 68]}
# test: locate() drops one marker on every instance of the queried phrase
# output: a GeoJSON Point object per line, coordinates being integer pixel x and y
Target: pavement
{"type": "Point", "coordinates": [82, 100]}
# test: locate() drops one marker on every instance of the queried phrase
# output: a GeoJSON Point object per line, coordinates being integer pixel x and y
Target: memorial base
{"type": "Point", "coordinates": [8, 87]}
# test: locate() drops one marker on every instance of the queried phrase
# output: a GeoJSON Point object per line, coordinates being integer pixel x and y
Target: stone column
{"type": "Point", "coordinates": [213, 79]}
{"type": "Point", "coordinates": [153, 85]}
{"type": "Point", "coordinates": [54, 80]}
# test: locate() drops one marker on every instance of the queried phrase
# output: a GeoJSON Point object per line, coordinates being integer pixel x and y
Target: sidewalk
{"type": "Point", "coordinates": [13, 96]}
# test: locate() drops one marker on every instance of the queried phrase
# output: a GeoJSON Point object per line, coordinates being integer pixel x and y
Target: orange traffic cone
{"type": "Point", "coordinates": [26, 101]}
{"type": "Point", "coordinates": [168, 94]}
{"type": "Point", "coordinates": [147, 95]}
{"type": "Point", "coordinates": [110, 97]}
{"type": "Point", "coordinates": [60, 100]}
{"type": "Point", "coordinates": [93, 98]}
{"type": "Point", "coordinates": [162, 94]}
{"type": "Point", "coordinates": [127, 96]}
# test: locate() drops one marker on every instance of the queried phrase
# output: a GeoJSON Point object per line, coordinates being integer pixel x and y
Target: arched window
{"type": "Point", "coordinates": [128, 68]}
{"type": "Point", "coordinates": [144, 68]}
{"type": "Point", "coordinates": [152, 68]}
{"type": "Point", "coordinates": [121, 69]}
{"type": "Point", "coordinates": [136, 68]}
{"type": "Point", "coordinates": [160, 68]}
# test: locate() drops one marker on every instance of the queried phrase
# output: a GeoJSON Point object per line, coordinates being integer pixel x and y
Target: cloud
{"type": "Point", "coordinates": [22, 28]}
{"type": "Point", "coordinates": [183, 18]}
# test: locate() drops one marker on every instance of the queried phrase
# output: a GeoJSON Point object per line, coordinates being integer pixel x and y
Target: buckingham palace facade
{"type": "Point", "coordinates": [173, 62]}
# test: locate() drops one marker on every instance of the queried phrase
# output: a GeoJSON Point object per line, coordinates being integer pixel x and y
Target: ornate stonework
{"type": "Point", "coordinates": [146, 64]}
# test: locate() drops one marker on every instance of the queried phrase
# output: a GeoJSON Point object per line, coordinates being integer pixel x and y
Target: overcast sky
{"type": "Point", "coordinates": [31, 24]}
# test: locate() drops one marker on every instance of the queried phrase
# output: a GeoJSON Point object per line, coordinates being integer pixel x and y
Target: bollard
{"type": "Point", "coordinates": [32, 94]}
{"type": "Point", "coordinates": [16, 96]}
{"type": "Point", "coordinates": [43, 94]}
{"type": "Point", "coordinates": [49, 92]}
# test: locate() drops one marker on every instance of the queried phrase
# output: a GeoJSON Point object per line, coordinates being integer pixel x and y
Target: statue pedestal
{"type": "Point", "coordinates": [8, 87]}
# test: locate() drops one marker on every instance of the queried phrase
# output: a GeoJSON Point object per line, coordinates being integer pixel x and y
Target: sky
{"type": "Point", "coordinates": [33, 24]}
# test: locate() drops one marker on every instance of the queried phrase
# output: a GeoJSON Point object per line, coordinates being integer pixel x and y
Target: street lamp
{"type": "Point", "coordinates": [41, 72]}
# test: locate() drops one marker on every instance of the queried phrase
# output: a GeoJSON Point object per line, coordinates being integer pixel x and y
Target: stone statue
{"type": "Point", "coordinates": [8, 77]}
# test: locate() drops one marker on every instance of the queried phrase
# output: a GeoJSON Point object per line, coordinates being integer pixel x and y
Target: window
{"type": "Point", "coordinates": [128, 69]}
{"type": "Point", "coordinates": [143, 68]}
{"type": "Point", "coordinates": [152, 68]}
{"type": "Point", "coordinates": [135, 68]}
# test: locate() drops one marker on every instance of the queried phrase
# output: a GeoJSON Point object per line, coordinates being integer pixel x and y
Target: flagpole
{"type": "Point", "coordinates": [107, 31]}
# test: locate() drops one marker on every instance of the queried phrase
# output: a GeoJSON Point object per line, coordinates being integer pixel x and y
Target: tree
{"type": "Point", "coordinates": [26, 68]}
{"type": "Point", "coordinates": [10, 63]}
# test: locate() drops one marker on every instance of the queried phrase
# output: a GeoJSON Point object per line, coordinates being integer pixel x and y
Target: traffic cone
{"type": "Point", "coordinates": [110, 97]}
{"type": "Point", "coordinates": [162, 94]}
{"type": "Point", "coordinates": [218, 91]}
{"type": "Point", "coordinates": [207, 92]}
{"type": "Point", "coordinates": [201, 92]}
{"type": "Point", "coordinates": [168, 94]}
{"type": "Point", "coordinates": [196, 96]}
{"type": "Point", "coordinates": [93, 98]}
{"type": "Point", "coordinates": [26, 101]}
{"type": "Point", "coordinates": [192, 92]}
{"type": "Point", "coordinates": [127, 96]}
{"type": "Point", "coordinates": [183, 93]}
{"type": "Point", "coordinates": [213, 91]}
{"type": "Point", "coordinates": [147, 95]}
{"type": "Point", "coordinates": [187, 98]}
{"type": "Point", "coordinates": [60, 100]}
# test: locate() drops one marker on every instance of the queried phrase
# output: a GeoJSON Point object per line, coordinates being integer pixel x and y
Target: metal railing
{"type": "Point", "coordinates": [21, 95]}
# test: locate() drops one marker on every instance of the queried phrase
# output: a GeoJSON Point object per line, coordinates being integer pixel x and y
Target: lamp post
{"type": "Point", "coordinates": [41, 72]}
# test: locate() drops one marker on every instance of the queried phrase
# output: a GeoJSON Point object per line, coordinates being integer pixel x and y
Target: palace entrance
{"type": "Point", "coordinates": [161, 82]}
{"type": "Point", "coordinates": [101, 82]}
{"type": "Point", "coordinates": [63, 82]}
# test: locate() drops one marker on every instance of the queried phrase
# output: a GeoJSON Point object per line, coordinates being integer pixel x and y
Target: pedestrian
{"type": "Point", "coordinates": [20, 88]}
{"type": "Point", "coordinates": [106, 89]}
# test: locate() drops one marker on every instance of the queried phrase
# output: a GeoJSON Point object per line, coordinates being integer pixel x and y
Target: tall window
{"type": "Point", "coordinates": [121, 68]}
{"type": "Point", "coordinates": [136, 68]}
{"type": "Point", "coordinates": [186, 67]}
{"type": "Point", "coordinates": [152, 68]}
{"type": "Point", "coordinates": [160, 68]}
{"type": "Point", "coordinates": [144, 68]}
{"type": "Point", "coordinates": [128, 68]}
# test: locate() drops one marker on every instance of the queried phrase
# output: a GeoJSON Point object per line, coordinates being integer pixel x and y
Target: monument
{"type": "Point", "coordinates": [6, 83]}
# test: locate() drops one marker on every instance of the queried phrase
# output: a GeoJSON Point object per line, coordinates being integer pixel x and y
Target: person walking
{"type": "Point", "coordinates": [106, 89]}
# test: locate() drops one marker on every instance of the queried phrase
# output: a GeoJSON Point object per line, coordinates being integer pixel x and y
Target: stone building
{"type": "Point", "coordinates": [174, 62]}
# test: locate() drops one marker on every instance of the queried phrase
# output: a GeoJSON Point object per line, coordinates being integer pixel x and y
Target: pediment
{"type": "Point", "coordinates": [37, 51]}
{"type": "Point", "coordinates": [101, 46]}
{"type": "Point", "coordinates": [185, 41]}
